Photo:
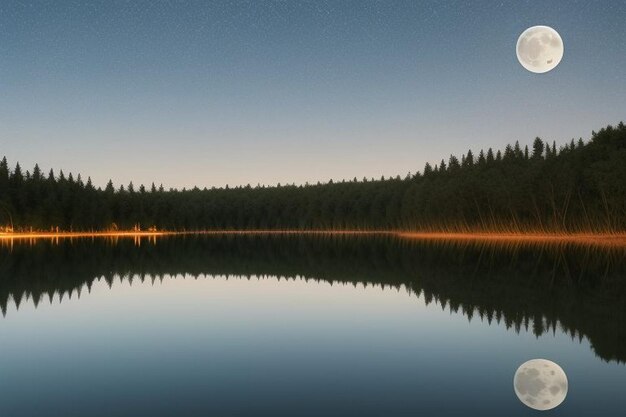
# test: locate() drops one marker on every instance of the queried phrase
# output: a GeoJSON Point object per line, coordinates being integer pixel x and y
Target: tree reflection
{"type": "Point", "coordinates": [579, 289]}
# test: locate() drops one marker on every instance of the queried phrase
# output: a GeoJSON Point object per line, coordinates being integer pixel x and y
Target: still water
{"type": "Point", "coordinates": [304, 326]}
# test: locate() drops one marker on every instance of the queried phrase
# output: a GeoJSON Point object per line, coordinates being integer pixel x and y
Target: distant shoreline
{"type": "Point", "coordinates": [587, 239]}
{"type": "Point", "coordinates": [592, 239]}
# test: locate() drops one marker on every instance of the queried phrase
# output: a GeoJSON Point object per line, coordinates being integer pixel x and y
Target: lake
{"type": "Point", "coordinates": [238, 325]}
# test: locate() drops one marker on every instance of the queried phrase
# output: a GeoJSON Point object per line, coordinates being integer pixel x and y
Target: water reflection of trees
{"type": "Point", "coordinates": [578, 289]}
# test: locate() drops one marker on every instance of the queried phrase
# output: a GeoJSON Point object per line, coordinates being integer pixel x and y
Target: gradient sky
{"type": "Point", "coordinates": [207, 93]}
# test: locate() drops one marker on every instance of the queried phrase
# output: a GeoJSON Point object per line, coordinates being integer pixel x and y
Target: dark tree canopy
{"type": "Point", "coordinates": [579, 187]}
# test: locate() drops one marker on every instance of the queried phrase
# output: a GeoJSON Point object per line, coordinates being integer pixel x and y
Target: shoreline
{"type": "Point", "coordinates": [593, 239]}
{"type": "Point", "coordinates": [615, 240]}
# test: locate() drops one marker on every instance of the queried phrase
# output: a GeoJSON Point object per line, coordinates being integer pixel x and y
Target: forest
{"type": "Point", "coordinates": [577, 187]}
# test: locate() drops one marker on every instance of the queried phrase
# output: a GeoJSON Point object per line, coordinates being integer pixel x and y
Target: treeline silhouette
{"type": "Point", "coordinates": [574, 288]}
{"type": "Point", "coordinates": [577, 187]}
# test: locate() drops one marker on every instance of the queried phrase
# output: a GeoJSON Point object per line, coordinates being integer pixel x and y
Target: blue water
{"type": "Point", "coordinates": [215, 345]}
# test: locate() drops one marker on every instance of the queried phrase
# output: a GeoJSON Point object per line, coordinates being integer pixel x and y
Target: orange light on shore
{"type": "Point", "coordinates": [586, 239]}
{"type": "Point", "coordinates": [590, 239]}
{"type": "Point", "coordinates": [70, 235]}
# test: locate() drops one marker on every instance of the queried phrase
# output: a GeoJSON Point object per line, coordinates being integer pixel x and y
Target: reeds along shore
{"type": "Point", "coordinates": [578, 188]}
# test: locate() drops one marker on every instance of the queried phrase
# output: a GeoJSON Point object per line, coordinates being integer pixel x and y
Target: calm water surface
{"type": "Point", "coordinates": [304, 326]}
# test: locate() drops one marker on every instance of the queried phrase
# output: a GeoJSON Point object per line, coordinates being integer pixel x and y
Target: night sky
{"type": "Point", "coordinates": [211, 93]}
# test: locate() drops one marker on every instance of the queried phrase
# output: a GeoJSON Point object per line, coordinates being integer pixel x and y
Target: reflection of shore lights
{"type": "Point", "coordinates": [540, 384]}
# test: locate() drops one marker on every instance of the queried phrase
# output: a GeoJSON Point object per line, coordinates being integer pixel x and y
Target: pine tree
{"type": "Point", "coordinates": [428, 169]}
{"type": "Point", "coordinates": [481, 158]}
{"type": "Point", "coordinates": [490, 157]}
{"type": "Point", "coordinates": [453, 163]}
{"type": "Point", "coordinates": [538, 148]}
{"type": "Point", "coordinates": [469, 159]}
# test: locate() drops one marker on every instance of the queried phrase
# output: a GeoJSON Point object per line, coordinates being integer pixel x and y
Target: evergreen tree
{"type": "Point", "coordinates": [538, 148]}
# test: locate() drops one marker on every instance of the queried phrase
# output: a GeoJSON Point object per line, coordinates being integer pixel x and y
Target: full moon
{"type": "Point", "coordinates": [539, 49]}
{"type": "Point", "coordinates": [540, 384]}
